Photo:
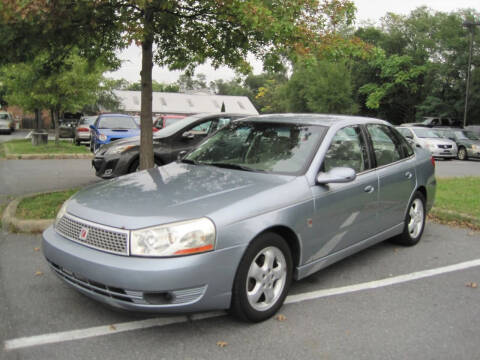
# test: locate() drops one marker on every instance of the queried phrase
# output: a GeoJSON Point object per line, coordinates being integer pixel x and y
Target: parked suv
{"type": "Point", "coordinates": [428, 139]}
{"type": "Point", "coordinates": [467, 142]}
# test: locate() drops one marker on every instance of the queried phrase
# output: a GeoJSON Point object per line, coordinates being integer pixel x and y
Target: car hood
{"type": "Point", "coordinates": [180, 191]}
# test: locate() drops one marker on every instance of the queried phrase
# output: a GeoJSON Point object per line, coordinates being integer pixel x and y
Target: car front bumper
{"type": "Point", "coordinates": [110, 166]}
{"type": "Point", "coordinates": [166, 285]}
{"type": "Point", "coordinates": [441, 153]}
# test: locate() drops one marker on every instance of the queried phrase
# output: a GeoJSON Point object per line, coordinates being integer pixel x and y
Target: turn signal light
{"type": "Point", "coordinates": [433, 161]}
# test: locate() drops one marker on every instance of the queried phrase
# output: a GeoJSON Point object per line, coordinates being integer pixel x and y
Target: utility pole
{"type": "Point", "coordinates": [470, 25]}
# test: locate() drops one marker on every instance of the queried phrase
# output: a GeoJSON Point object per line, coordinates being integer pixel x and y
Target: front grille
{"type": "Point", "coordinates": [174, 297]}
{"type": "Point", "coordinates": [445, 146]}
{"type": "Point", "coordinates": [113, 139]}
{"type": "Point", "coordinates": [100, 237]}
{"type": "Point", "coordinates": [135, 297]}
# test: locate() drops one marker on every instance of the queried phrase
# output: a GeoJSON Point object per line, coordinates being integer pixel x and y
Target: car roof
{"type": "Point", "coordinates": [316, 119]}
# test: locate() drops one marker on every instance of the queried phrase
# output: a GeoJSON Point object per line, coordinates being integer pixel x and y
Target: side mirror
{"type": "Point", "coordinates": [93, 127]}
{"type": "Point", "coordinates": [452, 138]}
{"type": "Point", "coordinates": [181, 154]}
{"type": "Point", "coordinates": [336, 175]}
{"type": "Point", "coordinates": [187, 135]}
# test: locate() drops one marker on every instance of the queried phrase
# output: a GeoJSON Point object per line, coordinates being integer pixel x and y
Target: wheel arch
{"type": "Point", "coordinates": [290, 238]}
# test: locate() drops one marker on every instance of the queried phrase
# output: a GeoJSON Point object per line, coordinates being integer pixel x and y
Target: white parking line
{"type": "Point", "coordinates": [63, 336]}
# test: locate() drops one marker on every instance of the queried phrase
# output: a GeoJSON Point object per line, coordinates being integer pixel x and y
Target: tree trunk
{"type": "Point", "coordinates": [146, 123]}
{"type": "Point", "coordinates": [56, 114]}
{"type": "Point", "coordinates": [37, 119]}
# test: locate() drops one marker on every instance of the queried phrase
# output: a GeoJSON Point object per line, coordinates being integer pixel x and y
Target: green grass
{"type": "Point", "coordinates": [458, 201]}
{"type": "Point", "coordinates": [2, 151]}
{"type": "Point", "coordinates": [459, 195]}
{"type": "Point", "coordinates": [43, 206]}
{"type": "Point", "coordinates": [25, 147]}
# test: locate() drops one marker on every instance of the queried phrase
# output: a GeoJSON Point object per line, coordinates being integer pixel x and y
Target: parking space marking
{"type": "Point", "coordinates": [79, 334]}
{"type": "Point", "coordinates": [381, 283]}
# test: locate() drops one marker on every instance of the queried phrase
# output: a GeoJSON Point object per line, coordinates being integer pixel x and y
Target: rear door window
{"type": "Point", "coordinates": [386, 147]}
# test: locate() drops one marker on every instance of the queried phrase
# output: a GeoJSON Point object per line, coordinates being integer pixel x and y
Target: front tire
{"type": "Point", "coordinates": [462, 154]}
{"type": "Point", "coordinates": [414, 222]}
{"type": "Point", "coordinates": [263, 279]}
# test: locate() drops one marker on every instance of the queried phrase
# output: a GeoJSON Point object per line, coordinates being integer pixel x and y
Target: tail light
{"type": "Point", "coordinates": [433, 161]}
{"type": "Point", "coordinates": [82, 129]}
{"type": "Point", "coordinates": [154, 129]}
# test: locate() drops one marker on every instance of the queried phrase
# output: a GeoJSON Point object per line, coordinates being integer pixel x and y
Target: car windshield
{"type": "Point", "coordinates": [117, 122]}
{"type": "Point", "coordinates": [3, 116]}
{"type": "Point", "coordinates": [425, 133]}
{"type": "Point", "coordinates": [466, 135]}
{"type": "Point", "coordinates": [260, 146]}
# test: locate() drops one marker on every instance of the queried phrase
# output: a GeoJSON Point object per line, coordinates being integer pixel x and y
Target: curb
{"type": "Point", "coordinates": [11, 223]}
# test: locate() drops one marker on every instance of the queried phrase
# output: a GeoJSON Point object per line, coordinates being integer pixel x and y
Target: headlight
{"type": "Point", "coordinates": [118, 149]}
{"type": "Point", "coordinates": [182, 238]}
{"type": "Point", "coordinates": [60, 213]}
{"type": "Point", "coordinates": [102, 137]}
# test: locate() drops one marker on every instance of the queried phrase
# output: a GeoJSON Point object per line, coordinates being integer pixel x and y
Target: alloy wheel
{"type": "Point", "coordinates": [266, 278]}
{"type": "Point", "coordinates": [417, 218]}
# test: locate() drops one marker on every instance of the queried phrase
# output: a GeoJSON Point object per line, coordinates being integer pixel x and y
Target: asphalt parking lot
{"type": "Point", "coordinates": [387, 302]}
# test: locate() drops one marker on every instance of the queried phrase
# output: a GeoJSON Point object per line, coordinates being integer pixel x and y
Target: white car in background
{"type": "Point", "coordinates": [426, 138]}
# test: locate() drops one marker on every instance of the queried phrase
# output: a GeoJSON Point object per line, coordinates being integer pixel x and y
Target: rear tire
{"type": "Point", "coordinates": [414, 222]}
{"type": "Point", "coordinates": [263, 278]}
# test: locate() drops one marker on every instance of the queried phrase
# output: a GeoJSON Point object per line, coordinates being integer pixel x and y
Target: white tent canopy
{"type": "Point", "coordinates": [176, 103]}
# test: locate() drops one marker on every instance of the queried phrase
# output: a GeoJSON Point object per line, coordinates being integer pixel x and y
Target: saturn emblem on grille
{"type": "Point", "coordinates": [83, 234]}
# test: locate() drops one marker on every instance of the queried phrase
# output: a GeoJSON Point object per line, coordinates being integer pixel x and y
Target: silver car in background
{"type": "Point", "coordinates": [82, 131]}
{"type": "Point", "coordinates": [264, 200]}
{"type": "Point", "coordinates": [7, 122]}
{"type": "Point", "coordinates": [428, 139]}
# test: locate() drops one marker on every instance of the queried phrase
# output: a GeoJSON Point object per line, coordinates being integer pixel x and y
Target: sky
{"type": "Point", "coordinates": [367, 10]}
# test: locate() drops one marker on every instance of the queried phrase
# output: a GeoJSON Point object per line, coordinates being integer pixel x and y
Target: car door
{"type": "Point", "coordinates": [345, 214]}
{"type": "Point", "coordinates": [395, 165]}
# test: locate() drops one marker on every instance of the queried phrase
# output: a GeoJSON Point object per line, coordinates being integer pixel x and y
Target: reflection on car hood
{"type": "Point", "coordinates": [180, 191]}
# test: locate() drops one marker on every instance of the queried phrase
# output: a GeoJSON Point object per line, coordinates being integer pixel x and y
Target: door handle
{"type": "Point", "coordinates": [408, 175]}
{"type": "Point", "coordinates": [369, 189]}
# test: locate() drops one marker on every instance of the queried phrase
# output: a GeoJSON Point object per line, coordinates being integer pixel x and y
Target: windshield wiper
{"type": "Point", "coordinates": [232, 166]}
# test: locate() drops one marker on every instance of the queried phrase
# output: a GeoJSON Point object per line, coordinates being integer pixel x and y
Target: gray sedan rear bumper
{"type": "Point", "coordinates": [178, 284]}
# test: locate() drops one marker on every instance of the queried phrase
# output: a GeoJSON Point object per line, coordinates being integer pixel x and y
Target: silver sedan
{"type": "Point", "coordinates": [264, 200]}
